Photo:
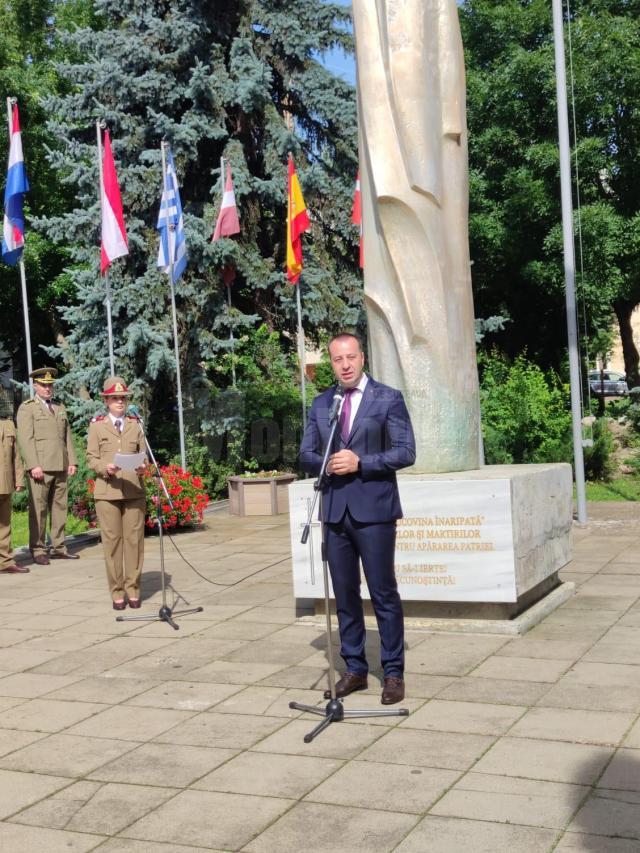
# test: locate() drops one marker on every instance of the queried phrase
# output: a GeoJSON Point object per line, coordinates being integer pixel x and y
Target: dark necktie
{"type": "Point", "coordinates": [118, 426]}
{"type": "Point", "coordinates": [50, 407]}
{"type": "Point", "coordinates": [345, 414]}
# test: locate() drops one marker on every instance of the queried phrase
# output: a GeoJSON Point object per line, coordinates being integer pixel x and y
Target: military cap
{"type": "Point", "coordinates": [115, 386]}
{"type": "Point", "coordinates": [44, 375]}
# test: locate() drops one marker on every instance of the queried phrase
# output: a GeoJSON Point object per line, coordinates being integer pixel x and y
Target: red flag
{"type": "Point", "coordinates": [297, 223]}
{"type": "Point", "coordinates": [356, 216]}
{"type": "Point", "coordinates": [228, 222]}
{"type": "Point", "coordinates": [114, 236]}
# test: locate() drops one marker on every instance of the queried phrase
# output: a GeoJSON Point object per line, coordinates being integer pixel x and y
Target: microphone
{"type": "Point", "coordinates": [134, 412]}
{"type": "Point", "coordinates": [336, 405]}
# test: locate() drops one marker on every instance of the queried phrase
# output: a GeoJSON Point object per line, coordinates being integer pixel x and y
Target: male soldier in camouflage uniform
{"type": "Point", "coordinates": [44, 437]}
{"type": "Point", "coordinates": [10, 481]}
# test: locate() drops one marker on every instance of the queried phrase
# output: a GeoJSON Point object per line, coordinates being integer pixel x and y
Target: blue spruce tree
{"type": "Point", "coordinates": [239, 79]}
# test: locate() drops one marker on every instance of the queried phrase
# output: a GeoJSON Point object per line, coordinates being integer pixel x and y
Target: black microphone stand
{"type": "Point", "coordinates": [166, 613]}
{"type": "Point", "coordinates": [334, 711]}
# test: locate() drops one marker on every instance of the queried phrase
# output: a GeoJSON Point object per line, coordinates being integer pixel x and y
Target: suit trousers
{"type": "Point", "coordinates": [47, 497]}
{"type": "Point", "coordinates": [122, 534]}
{"type": "Point", "coordinates": [6, 555]}
{"type": "Point", "coordinates": [348, 542]}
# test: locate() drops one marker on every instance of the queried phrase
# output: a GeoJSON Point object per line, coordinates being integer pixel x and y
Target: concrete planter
{"type": "Point", "coordinates": [259, 495]}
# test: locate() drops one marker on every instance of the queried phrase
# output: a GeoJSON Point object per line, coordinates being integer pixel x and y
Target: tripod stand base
{"type": "Point", "coordinates": [165, 614]}
{"type": "Point", "coordinates": [334, 712]}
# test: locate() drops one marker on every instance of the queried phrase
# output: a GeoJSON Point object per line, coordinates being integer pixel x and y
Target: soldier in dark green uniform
{"type": "Point", "coordinates": [44, 438]}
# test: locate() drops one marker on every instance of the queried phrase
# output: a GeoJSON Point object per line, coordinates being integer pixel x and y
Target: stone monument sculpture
{"type": "Point", "coordinates": [475, 543]}
{"type": "Point", "coordinates": [414, 180]}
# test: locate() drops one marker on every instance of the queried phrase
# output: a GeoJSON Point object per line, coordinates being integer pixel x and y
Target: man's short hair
{"type": "Point", "coordinates": [343, 335]}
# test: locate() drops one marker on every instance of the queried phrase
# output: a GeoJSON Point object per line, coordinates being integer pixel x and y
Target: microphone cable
{"type": "Point", "coordinates": [217, 583]}
{"type": "Point", "coordinates": [132, 411]}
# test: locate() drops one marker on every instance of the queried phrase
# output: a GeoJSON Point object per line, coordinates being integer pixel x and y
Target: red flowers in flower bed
{"type": "Point", "coordinates": [187, 496]}
{"type": "Point", "coordinates": [186, 492]}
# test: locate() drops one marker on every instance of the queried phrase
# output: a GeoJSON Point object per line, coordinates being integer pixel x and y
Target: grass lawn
{"type": "Point", "coordinates": [622, 489]}
{"type": "Point", "coordinates": [20, 528]}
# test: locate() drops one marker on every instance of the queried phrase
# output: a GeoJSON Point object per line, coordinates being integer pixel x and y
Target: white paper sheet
{"type": "Point", "coordinates": [129, 461]}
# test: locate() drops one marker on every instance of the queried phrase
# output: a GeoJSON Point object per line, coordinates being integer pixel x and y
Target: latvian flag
{"type": "Point", "coordinates": [228, 222]}
{"type": "Point", "coordinates": [114, 236]}
{"type": "Point", "coordinates": [17, 185]}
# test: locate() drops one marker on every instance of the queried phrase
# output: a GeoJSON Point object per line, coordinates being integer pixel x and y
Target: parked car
{"type": "Point", "coordinates": [615, 384]}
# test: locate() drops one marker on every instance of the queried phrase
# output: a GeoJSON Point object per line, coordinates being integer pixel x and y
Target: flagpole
{"type": "Point", "coordinates": [183, 454]}
{"type": "Point", "coordinates": [112, 363]}
{"type": "Point", "coordinates": [231, 338]}
{"type": "Point", "coordinates": [301, 356]}
{"type": "Point", "coordinates": [569, 258]}
{"type": "Point", "coordinates": [23, 275]}
{"type": "Point", "coordinates": [301, 346]}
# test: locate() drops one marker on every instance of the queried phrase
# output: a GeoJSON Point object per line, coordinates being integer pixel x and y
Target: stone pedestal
{"type": "Point", "coordinates": [481, 545]}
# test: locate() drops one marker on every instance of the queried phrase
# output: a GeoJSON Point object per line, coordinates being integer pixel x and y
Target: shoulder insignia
{"type": "Point", "coordinates": [133, 418]}
{"type": "Point", "coordinates": [98, 418]}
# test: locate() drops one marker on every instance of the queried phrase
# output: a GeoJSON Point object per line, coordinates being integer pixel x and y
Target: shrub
{"type": "Point", "coordinates": [525, 413]}
{"type": "Point", "coordinates": [187, 495]}
{"type": "Point", "coordinates": [633, 416]}
{"type": "Point", "coordinates": [80, 499]}
{"type": "Point", "coordinates": [186, 491]}
{"type": "Point", "coordinates": [598, 464]}
{"type": "Point", "coordinates": [257, 422]}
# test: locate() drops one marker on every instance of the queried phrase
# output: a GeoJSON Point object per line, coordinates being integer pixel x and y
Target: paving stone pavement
{"type": "Point", "coordinates": [130, 737]}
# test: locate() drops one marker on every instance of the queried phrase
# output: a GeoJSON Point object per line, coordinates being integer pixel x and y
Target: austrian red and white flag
{"type": "Point", "coordinates": [114, 236]}
{"type": "Point", "coordinates": [356, 216]}
{"type": "Point", "coordinates": [228, 222]}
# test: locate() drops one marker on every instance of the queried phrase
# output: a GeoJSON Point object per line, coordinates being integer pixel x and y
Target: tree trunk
{"type": "Point", "coordinates": [624, 311]}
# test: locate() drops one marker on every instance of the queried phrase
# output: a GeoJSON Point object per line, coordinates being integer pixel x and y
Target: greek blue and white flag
{"type": "Point", "coordinates": [173, 248]}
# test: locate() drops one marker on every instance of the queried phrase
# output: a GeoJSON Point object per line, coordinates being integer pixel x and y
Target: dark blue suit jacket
{"type": "Point", "coordinates": [382, 436]}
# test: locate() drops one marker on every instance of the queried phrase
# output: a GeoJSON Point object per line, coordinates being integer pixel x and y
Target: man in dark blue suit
{"type": "Point", "coordinates": [360, 505]}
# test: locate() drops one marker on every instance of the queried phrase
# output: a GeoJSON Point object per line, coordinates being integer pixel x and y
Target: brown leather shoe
{"type": "Point", "coordinates": [66, 556]}
{"type": "Point", "coordinates": [349, 683]}
{"type": "Point", "coordinates": [392, 690]}
{"type": "Point", "coordinates": [134, 603]}
{"type": "Point", "coordinates": [15, 569]}
{"type": "Point", "coordinates": [119, 605]}
{"type": "Point", "coordinates": [41, 560]}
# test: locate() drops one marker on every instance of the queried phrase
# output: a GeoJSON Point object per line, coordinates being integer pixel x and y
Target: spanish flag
{"type": "Point", "coordinates": [297, 223]}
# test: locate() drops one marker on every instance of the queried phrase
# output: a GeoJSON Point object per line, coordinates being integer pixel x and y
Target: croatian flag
{"type": "Point", "coordinates": [17, 185]}
{"type": "Point", "coordinates": [114, 236]}
{"type": "Point", "coordinates": [173, 247]}
{"type": "Point", "coordinates": [228, 222]}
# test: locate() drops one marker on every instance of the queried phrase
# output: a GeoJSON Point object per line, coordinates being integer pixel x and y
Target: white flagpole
{"type": "Point", "coordinates": [569, 258]}
{"type": "Point", "coordinates": [301, 356]}
{"type": "Point", "coordinates": [183, 454]}
{"type": "Point", "coordinates": [301, 346]}
{"type": "Point", "coordinates": [23, 276]}
{"type": "Point", "coordinates": [231, 338]}
{"type": "Point", "coordinates": [112, 364]}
